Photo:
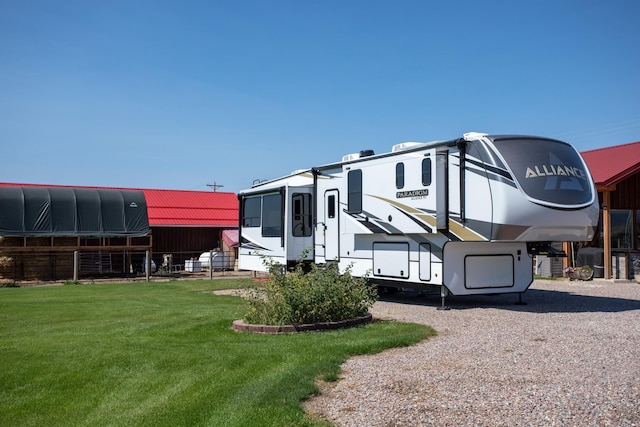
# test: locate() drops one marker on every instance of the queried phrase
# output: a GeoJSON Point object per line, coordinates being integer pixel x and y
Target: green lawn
{"type": "Point", "coordinates": [162, 354]}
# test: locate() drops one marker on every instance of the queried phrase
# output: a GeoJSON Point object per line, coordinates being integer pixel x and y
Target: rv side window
{"type": "Point", "coordinates": [331, 206]}
{"type": "Point", "coordinates": [354, 190]}
{"type": "Point", "coordinates": [251, 212]}
{"type": "Point", "coordinates": [426, 172]}
{"type": "Point", "coordinates": [272, 215]}
{"type": "Point", "coordinates": [399, 175]}
{"type": "Point", "coordinates": [301, 219]}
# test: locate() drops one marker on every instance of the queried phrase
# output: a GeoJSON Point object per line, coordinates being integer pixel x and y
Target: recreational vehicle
{"type": "Point", "coordinates": [466, 215]}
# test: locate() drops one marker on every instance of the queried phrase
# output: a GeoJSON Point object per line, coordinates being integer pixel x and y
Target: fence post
{"type": "Point", "coordinates": [147, 265]}
{"type": "Point", "coordinates": [211, 265]}
{"type": "Point", "coordinates": [76, 265]}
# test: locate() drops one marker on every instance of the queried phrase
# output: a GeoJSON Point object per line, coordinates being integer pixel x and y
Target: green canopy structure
{"type": "Point", "coordinates": [57, 212]}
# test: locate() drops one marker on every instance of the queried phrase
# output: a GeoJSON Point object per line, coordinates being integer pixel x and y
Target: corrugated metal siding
{"type": "Point", "coordinates": [186, 216]}
{"type": "Point", "coordinates": [170, 207]}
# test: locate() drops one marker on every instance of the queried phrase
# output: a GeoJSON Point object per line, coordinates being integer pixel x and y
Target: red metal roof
{"type": "Point", "coordinates": [195, 208]}
{"type": "Point", "coordinates": [610, 165]}
{"type": "Point", "coordinates": [179, 207]}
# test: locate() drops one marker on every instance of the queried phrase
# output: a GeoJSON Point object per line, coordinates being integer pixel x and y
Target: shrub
{"type": "Point", "coordinates": [322, 294]}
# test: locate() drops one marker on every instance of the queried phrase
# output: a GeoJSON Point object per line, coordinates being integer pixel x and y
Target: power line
{"type": "Point", "coordinates": [215, 186]}
{"type": "Point", "coordinates": [604, 130]}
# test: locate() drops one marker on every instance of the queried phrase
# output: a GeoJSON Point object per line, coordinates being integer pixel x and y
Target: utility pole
{"type": "Point", "coordinates": [215, 186]}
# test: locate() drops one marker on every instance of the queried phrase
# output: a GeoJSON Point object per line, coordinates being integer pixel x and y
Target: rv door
{"type": "Point", "coordinates": [331, 226]}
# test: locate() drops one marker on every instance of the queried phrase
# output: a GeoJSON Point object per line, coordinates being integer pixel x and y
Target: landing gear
{"type": "Point", "coordinates": [520, 302]}
{"type": "Point", "coordinates": [443, 294]}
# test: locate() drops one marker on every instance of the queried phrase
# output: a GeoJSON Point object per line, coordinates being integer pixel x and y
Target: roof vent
{"type": "Point", "coordinates": [349, 157]}
{"type": "Point", "coordinates": [405, 146]}
{"type": "Point", "coordinates": [356, 156]}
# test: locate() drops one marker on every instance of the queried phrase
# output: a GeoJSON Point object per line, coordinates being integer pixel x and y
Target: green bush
{"type": "Point", "coordinates": [322, 294]}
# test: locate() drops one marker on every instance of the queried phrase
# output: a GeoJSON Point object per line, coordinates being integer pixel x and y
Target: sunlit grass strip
{"type": "Point", "coordinates": [162, 354]}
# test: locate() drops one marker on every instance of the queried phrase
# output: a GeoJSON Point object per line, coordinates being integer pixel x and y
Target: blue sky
{"type": "Point", "coordinates": [181, 94]}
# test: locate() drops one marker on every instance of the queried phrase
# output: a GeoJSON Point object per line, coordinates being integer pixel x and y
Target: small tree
{"type": "Point", "coordinates": [322, 294]}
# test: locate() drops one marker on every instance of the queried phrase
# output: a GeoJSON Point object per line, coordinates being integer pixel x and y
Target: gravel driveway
{"type": "Point", "coordinates": [569, 357]}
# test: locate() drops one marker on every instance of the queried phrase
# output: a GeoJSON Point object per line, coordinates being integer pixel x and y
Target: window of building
{"type": "Point", "coordinates": [638, 231]}
{"type": "Point", "coordinates": [399, 175]}
{"type": "Point", "coordinates": [354, 191]}
{"type": "Point", "coordinates": [621, 229]}
{"type": "Point", "coordinates": [426, 172]}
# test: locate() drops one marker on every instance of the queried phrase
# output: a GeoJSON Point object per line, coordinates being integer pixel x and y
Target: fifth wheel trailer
{"type": "Point", "coordinates": [466, 214]}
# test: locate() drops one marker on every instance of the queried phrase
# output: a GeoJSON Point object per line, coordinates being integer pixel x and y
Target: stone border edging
{"type": "Point", "coordinates": [240, 326]}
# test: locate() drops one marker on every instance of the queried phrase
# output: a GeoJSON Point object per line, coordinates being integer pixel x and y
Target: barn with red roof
{"type": "Point", "coordinates": [616, 172]}
{"type": "Point", "coordinates": [190, 221]}
{"type": "Point", "coordinates": [182, 224]}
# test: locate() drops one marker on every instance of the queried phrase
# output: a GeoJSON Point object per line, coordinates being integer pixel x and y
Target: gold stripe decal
{"type": "Point", "coordinates": [455, 227]}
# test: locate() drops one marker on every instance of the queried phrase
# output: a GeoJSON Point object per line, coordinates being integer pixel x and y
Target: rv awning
{"type": "Point", "coordinates": [52, 211]}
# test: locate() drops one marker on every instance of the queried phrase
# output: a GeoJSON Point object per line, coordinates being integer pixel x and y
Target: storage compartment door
{"type": "Point", "coordinates": [489, 271]}
{"type": "Point", "coordinates": [391, 259]}
{"type": "Point", "coordinates": [425, 261]}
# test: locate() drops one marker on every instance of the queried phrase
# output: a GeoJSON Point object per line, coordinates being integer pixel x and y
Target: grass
{"type": "Point", "coordinates": [162, 354]}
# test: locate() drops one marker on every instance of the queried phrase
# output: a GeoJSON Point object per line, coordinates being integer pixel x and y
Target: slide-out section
{"type": "Point", "coordinates": [486, 268]}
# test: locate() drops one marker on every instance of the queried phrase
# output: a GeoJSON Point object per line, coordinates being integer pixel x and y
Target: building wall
{"type": "Point", "coordinates": [36, 266]}
{"type": "Point", "coordinates": [627, 193]}
{"type": "Point", "coordinates": [173, 240]}
{"type": "Point", "coordinates": [46, 258]}
{"type": "Point", "coordinates": [185, 239]}
{"type": "Point", "coordinates": [52, 258]}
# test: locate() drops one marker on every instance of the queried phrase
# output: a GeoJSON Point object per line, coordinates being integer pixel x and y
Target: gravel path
{"type": "Point", "coordinates": [569, 357]}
